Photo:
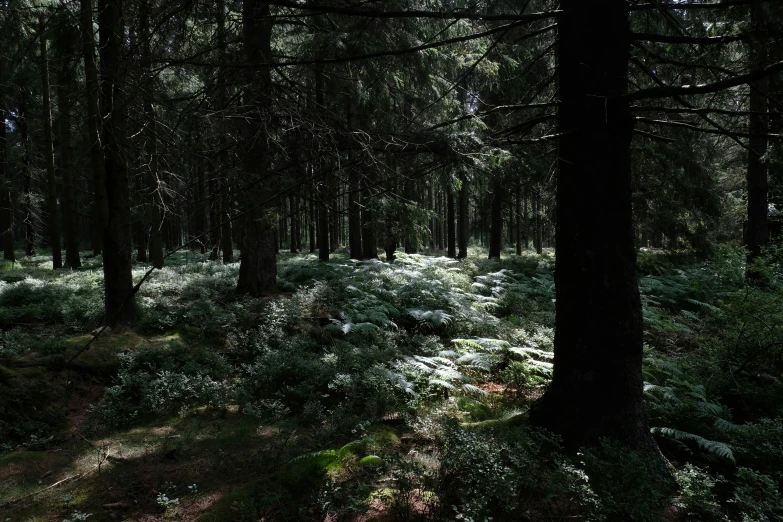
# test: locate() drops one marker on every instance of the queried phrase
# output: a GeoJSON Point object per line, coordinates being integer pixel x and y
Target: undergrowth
{"type": "Point", "coordinates": [412, 381]}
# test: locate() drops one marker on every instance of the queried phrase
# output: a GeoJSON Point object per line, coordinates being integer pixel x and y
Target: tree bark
{"type": "Point", "coordinates": [226, 239]}
{"type": "Point", "coordinates": [65, 49]}
{"type": "Point", "coordinates": [27, 180]}
{"type": "Point", "coordinates": [596, 389]}
{"type": "Point", "coordinates": [294, 243]}
{"type": "Point", "coordinates": [355, 248]}
{"type": "Point", "coordinates": [258, 266]}
{"type": "Point", "coordinates": [6, 210]}
{"type": "Point", "coordinates": [496, 221]}
{"type": "Point", "coordinates": [117, 242]}
{"type": "Point", "coordinates": [463, 230]}
{"type": "Point", "coordinates": [51, 181]}
{"type": "Point", "coordinates": [100, 210]}
{"type": "Point", "coordinates": [757, 236]}
{"type": "Point", "coordinates": [518, 217]}
{"type": "Point", "coordinates": [151, 175]}
{"type": "Point", "coordinates": [451, 231]}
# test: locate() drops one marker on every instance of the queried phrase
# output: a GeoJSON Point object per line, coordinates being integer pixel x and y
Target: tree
{"type": "Point", "coordinates": [757, 235]}
{"type": "Point", "coordinates": [6, 210]}
{"type": "Point", "coordinates": [65, 43]}
{"type": "Point", "coordinates": [258, 266]}
{"type": "Point", "coordinates": [596, 389]}
{"type": "Point", "coordinates": [120, 304]}
{"type": "Point", "coordinates": [100, 210]}
{"type": "Point", "coordinates": [51, 181]}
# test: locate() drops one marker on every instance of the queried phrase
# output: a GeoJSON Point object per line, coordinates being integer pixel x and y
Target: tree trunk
{"type": "Point", "coordinates": [100, 210]}
{"type": "Point", "coordinates": [451, 232]}
{"type": "Point", "coordinates": [757, 236]}
{"type": "Point", "coordinates": [526, 219]}
{"type": "Point", "coordinates": [151, 174]}
{"type": "Point", "coordinates": [51, 182]}
{"type": "Point", "coordinates": [65, 49]}
{"type": "Point", "coordinates": [463, 230]}
{"type": "Point", "coordinates": [369, 244]}
{"type": "Point", "coordinates": [311, 225]}
{"type": "Point", "coordinates": [117, 242]}
{"type": "Point", "coordinates": [6, 210]}
{"type": "Point", "coordinates": [596, 389]}
{"type": "Point", "coordinates": [496, 221]}
{"type": "Point", "coordinates": [294, 243]}
{"type": "Point", "coordinates": [355, 248]}
{"type": "Point", "coordinates": [258, 267]}
{"type": "Point", "coordinates": [27, 180]}
{"type": "Point", "coordinates": [323, 185]}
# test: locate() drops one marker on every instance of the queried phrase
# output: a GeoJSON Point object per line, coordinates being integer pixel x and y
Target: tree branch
{"type": "Point", "coordinates": [707, 88]}
{"type": "Point", "coordinates": [703, 40]}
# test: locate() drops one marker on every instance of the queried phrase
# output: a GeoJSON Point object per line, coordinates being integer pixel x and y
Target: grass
{"type": "Point", "coordinates": [369, 391]}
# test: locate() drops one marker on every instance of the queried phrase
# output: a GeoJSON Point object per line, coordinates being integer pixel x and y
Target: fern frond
{"type": "Point", "coordinates": [711, 447]}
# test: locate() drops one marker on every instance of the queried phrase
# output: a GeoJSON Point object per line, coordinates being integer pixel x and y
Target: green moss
{"type": "Point", "coordinates": [32, 372]}
{"type": "Point", "coordinates": [6, 374]}
{"type": "Point", "coordinates": [21, 457]}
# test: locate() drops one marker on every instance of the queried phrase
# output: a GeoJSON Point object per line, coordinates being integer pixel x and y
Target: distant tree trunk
{"type": "Point", "coordinates": [334, 214]}
{"type": "Point", "coordinates": [324, 178]}
{"type": "Point", "coordinates": [202, 208]}
{"type": "Point", "coordinates": [451, 231]}
{"type": "Point", "coordinates": [518, 217]}
{"type": "Point", "coordinates": [757, 236]}
{"type": "Point", "coordinates": [596, 389]}
{"type": "Point", "coordinates": [294, 224]}
{"type": "Point", "coordinates": [311, 224]}
{"type": "Point", "coordinates": [463, 226]}
{"type": "Point", "coordinates": [537, 235]}
{"type": "Point", "coordinates": [27, 181]}
{"type": "Point", "coordinates": [222, 185]}
{"type": "Point", "coordinates": [51, 181]}
{"type": "Point", "coordinates": [258, 267]}
{"type": "Point", "coordinates": [496, 221]}
{"type": "Point", "coordinates": [369, 243]}
{"type": "Point", "coordinates": [355, 247]}
{"type": "Point", "coordinates": [526, 219]}
{"type": "Point", "coordinates": [66, 49]}
{"type": "Point", "coordinates": [100, 210]}
{"type": "Point", "coordinates": [151, 174]}
{"type": "Point", "coordinates": [6, 210]}
{"type": "Point", "coordinates": [117, 242]}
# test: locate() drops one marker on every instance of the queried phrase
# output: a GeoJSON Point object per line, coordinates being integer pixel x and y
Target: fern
{"type": "Point", "coordinates": [711, 447]}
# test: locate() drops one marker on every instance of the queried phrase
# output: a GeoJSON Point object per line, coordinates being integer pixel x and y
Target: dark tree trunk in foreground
{"type": "Point", "coordinates": [757, 236]}
{"type": "Point", "coordinates": [463, 230]}
{"type": "Point", "coordinates": [596, 390]}
{"type": "Point", "coordinates": [258, 266]}
{"type": "Point", "coordinates": [496, 221]}
{"type": "Point", "coordinates": [117, 241]}
{"type": "Point", "coordinates": [100, 210]}
{"type": "Point", "coordinates": [51, 181]}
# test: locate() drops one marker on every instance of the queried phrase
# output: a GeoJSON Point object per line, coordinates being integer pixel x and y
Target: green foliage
{"type": "Point", "coordinates": [631, 485]}
{"type": "Point", "coordinates": [756, 497]}
{"type": "Point", "coordinates": [698, 498]}
{"type": "Point", "coordinates": [167, 378]}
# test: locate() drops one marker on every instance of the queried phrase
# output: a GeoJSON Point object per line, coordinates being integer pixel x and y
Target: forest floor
{"type": "Point", "coordinates": [372, 391]}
